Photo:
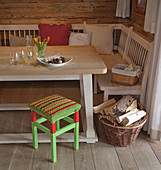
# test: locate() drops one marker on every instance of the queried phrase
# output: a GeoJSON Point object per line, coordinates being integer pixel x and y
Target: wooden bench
{"type": "Point", "coordinates": [133, 49]}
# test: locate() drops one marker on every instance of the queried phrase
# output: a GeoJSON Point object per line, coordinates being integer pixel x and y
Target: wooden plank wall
{"type": "Point", "coordinates": [137, 21]}
{"type": "Point", "coordinates": [58, 11]}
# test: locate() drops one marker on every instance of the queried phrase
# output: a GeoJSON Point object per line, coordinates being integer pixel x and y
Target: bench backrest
{"type": "Point", "coordinates": [125, 31]}
{"type": "Point", "coordinates": [137, 50]}
{"type": "Point", "coordinates": [23, 30]}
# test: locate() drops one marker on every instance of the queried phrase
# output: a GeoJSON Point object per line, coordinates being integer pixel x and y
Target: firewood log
{"type": "Point", "coordinates": [120, 118]}
{"type": "Point", "coordinates": [99, 108]}
{"type": "Point", "coordinates": [120, 107]}
{"type": "Point", "coordinates": [132, 106]}
{"type": "Point", "coordinates": [128, 120]}
{"type": "Point", "coordinates": [109, 118]}
{"type": "Point", "coordinates": [124, 103]}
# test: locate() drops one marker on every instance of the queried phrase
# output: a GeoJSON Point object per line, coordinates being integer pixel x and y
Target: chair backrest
{"type": "Point", "coordinates": [137, 50]}
{"type": "Point", "coordinates": [125, 31]}
{"type": "Point", "coordinates": [23, 30]}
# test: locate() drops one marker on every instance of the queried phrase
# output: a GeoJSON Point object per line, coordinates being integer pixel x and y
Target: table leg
{"type": "Point", "coordinates": [88, 98]}
{"type": "Point", "coordinates": [82, 111]}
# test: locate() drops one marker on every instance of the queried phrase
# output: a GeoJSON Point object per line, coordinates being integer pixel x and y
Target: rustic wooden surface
{"type": "Point", "coordinates": [82, 56]}
{"type": "Point", "coordinates": [58, 11]}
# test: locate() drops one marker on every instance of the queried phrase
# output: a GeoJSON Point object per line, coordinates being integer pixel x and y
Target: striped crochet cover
{"type": "Point", "coordinates": [55, 107]}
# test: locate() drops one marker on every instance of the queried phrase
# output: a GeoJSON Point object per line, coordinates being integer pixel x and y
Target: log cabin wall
{"type": "Point", "coordinates": [58, 11]}
{"type": "Point", "coordinates": [136, 20]}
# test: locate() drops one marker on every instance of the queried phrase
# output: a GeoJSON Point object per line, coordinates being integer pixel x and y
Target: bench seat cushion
{"type": "Point", "coordinates": [55, 107]}
{"type": "Point", "coordinates": [112, 60]}
{"type": "Point", "coordinates": [105, 83]}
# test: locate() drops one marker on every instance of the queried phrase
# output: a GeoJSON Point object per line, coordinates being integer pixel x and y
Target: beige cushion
{"type": "Point", "coordinates": [18, 41]}
{"type": "Point", "coordinates": [80, 38]}
{"type": "Point", "coordinates": [102, 37]}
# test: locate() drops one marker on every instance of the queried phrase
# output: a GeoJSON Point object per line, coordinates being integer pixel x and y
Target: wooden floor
{"type": "Point", "coordinates": [145, 154]}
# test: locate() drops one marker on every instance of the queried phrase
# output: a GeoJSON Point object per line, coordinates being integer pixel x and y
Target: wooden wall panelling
{"type": "Point", "coordinates": [137, 21]}
{"type": "Point", "coordinates": [55, 11]}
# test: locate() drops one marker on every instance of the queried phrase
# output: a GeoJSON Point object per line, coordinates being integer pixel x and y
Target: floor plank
{"type": "Point", "coordinates": [41, 157]}
{"type": "Point", "coordinates": [26, 122]}
{"type": "Point", "coordinates": [65, 157]}
{"type": "Point", "coordinates": [22, 158]}
{"type": "Point", "coordinates": [13, 122]}
{"type": "Point", "coordinates": [105, 156]}
{"type": "Point", "coordinates": [6, 152]}
{"type": "Point", "coordinates": [144, 155]}
{"type": "Point", "coordinates": [3, 120]}
{"type": "Point", "coordinates": [126, 158]}
{"type": "Point", "coordinates": [24, 91]}
{"type": "Point", "coordinates": [10, 92]}
{"type": "Point", "coordinates": [156, 147]}
{"type": "Point", "coordinates": [83, 158]}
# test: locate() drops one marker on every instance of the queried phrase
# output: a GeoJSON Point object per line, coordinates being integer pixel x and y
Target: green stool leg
{"type": "Point", "coordinates": [76, 130]}
{"type": "Point", "coordinates": [34, 136]}
{"type": "Point", "coordinates": [53, 142]}
{"type": "Point", "coordinates": [34, 130]}
{"type": "Point", "coordinates": [76, 136]}
{"type": "Point", "coordinates": [57, 125]}
{"type": "Point", "coordinates": [53, 148]}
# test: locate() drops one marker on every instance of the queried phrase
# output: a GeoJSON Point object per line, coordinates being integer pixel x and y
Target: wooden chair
{"type": "Point", "coordinates": [137, 52]}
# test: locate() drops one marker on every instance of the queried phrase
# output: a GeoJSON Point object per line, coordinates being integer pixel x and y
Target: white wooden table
{"type": "Point", "coordinates": [85, 62]}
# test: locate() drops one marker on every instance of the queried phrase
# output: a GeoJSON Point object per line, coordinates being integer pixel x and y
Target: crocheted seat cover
{"type": "Point", "coordinates": [55, 107]}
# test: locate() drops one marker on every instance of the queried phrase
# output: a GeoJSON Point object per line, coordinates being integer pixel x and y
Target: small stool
{"type": "Point", "coordinates": [54, 108]}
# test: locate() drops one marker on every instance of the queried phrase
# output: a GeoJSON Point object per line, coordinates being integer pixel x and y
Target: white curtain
{"type": "Point", "coordinates": [153, 94]}
{"type": "Point", "coordinates": [151, 15]}
{"type": "Point", "coordinates": [123, 8]}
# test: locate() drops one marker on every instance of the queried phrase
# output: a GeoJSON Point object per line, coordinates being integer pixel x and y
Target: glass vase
{"type": "Point", "coordinates": [41, 51]}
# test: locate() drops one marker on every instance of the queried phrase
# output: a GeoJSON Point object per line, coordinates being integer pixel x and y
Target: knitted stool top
{"type": "Point", "coordinates": [55, 107]}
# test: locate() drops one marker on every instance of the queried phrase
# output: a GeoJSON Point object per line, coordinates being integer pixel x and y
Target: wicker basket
{"type": "Point", "coordinates": [122, 136]}
{"type": "Point", "coordinates": [123, 79]}
{"type": "Point", "coordinates": [119, 75]}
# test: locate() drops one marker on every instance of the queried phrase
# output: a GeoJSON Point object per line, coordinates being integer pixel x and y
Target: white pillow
{"type": "Point", "coordinates": [80, 39]}
{"type": "Point", "coordinates": [102, 37]}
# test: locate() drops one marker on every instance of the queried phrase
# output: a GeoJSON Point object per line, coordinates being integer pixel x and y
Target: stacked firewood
{"type": "Point", "coordinates": [125, 112]}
